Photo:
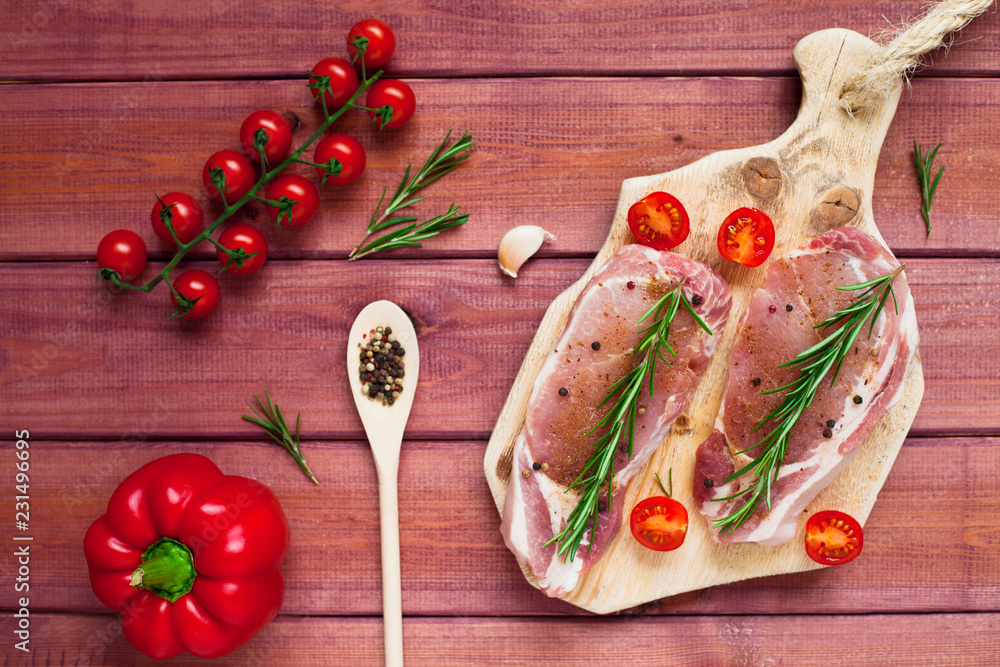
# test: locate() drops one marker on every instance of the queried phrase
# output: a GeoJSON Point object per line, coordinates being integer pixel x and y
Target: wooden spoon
{"type": "Point", "coordinates": [384, 425]}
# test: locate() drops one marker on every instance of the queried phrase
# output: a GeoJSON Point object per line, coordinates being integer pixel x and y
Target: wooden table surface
{"type": "Point", "coordinates": [116, 100]}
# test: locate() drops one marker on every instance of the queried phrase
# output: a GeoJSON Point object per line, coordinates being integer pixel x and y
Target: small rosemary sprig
{"type": "Point", "coordinates": [269, 418]}
{"type": "Point", "coordinates": [442, 160]}
{"type": "Point", "coordinates": [598, 474]}
{"type": "Point", "coordinates": [813, 365]}
{"type": "Point", "coordinates": [413, 234]}
{"type": "Point", "coordinates": [923, 162]}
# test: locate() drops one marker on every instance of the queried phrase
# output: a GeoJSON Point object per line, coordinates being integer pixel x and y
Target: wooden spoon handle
{"type": "Point", "coordinates": [392, 603]}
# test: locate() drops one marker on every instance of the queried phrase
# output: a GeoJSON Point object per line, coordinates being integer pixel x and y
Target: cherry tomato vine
{"type": "Point", "coordinates": [229, 178]}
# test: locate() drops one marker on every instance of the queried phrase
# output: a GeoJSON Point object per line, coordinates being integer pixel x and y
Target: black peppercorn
{"type": "Point", "coordinates": [596, 345]}
{"type": "Point", "coordinates": [602, 506]}
{"type": "Point", "coordinates": [827, 433]}
{"type": "Point", "coordinates": [709, 483]}
{"type": "Point", "coordinates": [395, 344]}
{"type": "Point", "coordinates": [388, 330]}
{"type": "Point", "coordinates": [756, 382]}
{"type": "Point", "coordinates": [788, 307]}
{"type": "Point", "coordinates": [696, 300]}
{"type": "Point", "coordinates": [831, 423]}
{"type": "Point", "coordinates": [563, 391]}
{"type": "Point", "coordinates": [858, 400]}
{"type": "Point", "coordinates": [401, 352]}
{"type": "Point", "coordinates": [536, 466]}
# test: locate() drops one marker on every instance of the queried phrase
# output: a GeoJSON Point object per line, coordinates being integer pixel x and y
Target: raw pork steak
{"type": "Point", "coordinates": [594, 351]}
{"type": "Point", "coordinates": [869, 383]}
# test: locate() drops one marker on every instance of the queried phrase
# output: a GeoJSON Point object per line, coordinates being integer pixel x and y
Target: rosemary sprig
{"type": "Point", "coordinates": [442, 160]}
{"type": "Point", "coordinates": [813, 365]}
{"type": "Point", "coordinates": [598, 474]}
{"type": "Point", "coordinates": [269, 418]}
{"type": "Point", "coordinates": [923, 162]}
{"type": "Point", "coordinates": [413, 234]}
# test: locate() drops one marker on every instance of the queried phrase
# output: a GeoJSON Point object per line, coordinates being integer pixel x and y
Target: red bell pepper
{"type": "Point", "coordinates": [190, 556]}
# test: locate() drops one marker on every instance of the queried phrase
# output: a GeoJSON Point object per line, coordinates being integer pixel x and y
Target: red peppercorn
{"type": "Point", "coordinates": [630, 284]}
{"type": "Point", "coordinates": [772, 309]}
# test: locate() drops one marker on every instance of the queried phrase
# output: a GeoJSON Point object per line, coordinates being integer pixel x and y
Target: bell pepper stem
{"type": "Point", "coordinates": [167, 570]}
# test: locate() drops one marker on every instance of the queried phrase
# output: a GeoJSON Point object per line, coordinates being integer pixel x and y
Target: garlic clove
{"type": "Point", "coordinates": [518, 245]}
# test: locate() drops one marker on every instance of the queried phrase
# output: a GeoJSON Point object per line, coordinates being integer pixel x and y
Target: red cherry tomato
{"type": "Point", "coordinates": [381, 41]}
{"type": "Point", "coordinates": [193, 284]}
{"type": "Point", "coordinates": [250, 240]}
{"type": "Point", "coordinates": [659, 523]}
{"type": "Point", "coordinates": [299, 190]}
{"type": "Point", "coordinates": [346, 150]}
{"type": "Point", "coordinates": [278, 131]}
{"type": "Point", "coordinates": [185, 217]}
{"type": "Point", "coordinates": [396, 94]}
{"type": "Point", "coordinates": [343, 81]}
{"type": "Point", "coordinates": [122, 251]}
{"type": "Point", "coordinates": [746, 236]}
{"type": "Point", "coordinates": [833, 538]}
{"type": "Point", "coordinates": [659, 221]}
{"type": "Point", "coordinates": [238, 172]}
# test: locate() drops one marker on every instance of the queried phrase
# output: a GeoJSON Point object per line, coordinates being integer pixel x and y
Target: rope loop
{"type": "Point", "coordinates": [900, 57]}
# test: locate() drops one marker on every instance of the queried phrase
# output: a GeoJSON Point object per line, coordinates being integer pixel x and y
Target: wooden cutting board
{"type": "Point", "coordinates": [816, 176]}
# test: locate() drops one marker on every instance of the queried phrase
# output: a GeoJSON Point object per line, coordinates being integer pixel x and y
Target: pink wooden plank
{"type": "Point", "coordinates": [77, 363]}
{"type": "Point", "coordinates": [930, 544]}
{"type": "Point", "coordinates": [922, 639]}
{"type": "Point", "coordinates": [192, 39]}
{"type": "Point", "coordinates": [69, 160]}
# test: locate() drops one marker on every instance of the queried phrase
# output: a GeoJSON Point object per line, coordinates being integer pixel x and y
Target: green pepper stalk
{"type": "Point", "coordinates": [167, 570]}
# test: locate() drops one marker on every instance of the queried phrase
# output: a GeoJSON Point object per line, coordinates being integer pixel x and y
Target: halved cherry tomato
{"type": "Point", "coordinates": [746, 236]}
{"type": "Point", "coordinates": [659, 221]}
{"type": "Point", "coordinates": [833, 538]}
{"type": "Point", "coordinates": [659, 523]}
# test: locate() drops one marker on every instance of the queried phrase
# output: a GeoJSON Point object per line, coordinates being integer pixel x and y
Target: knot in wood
{"type": "Point", "coordinates": [683, 424]}
{"type": "Point", "coordinates": [762, 178]}
{"type": "Point", "coordinates": [837, 207]}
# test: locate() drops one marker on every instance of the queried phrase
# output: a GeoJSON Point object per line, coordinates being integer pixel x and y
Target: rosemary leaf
{"type": "Point", "coordinates": [924, 163]}
{"type": "Point", "coordinates": [269, 418]}
{"type": "Point", "coordinates": [413, 234]}
{"type": "Point", "coordinates": [442, 160]}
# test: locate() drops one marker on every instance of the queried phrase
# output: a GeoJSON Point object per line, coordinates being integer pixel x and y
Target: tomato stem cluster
{"type": "Point", "coordinates": [218, 179]}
